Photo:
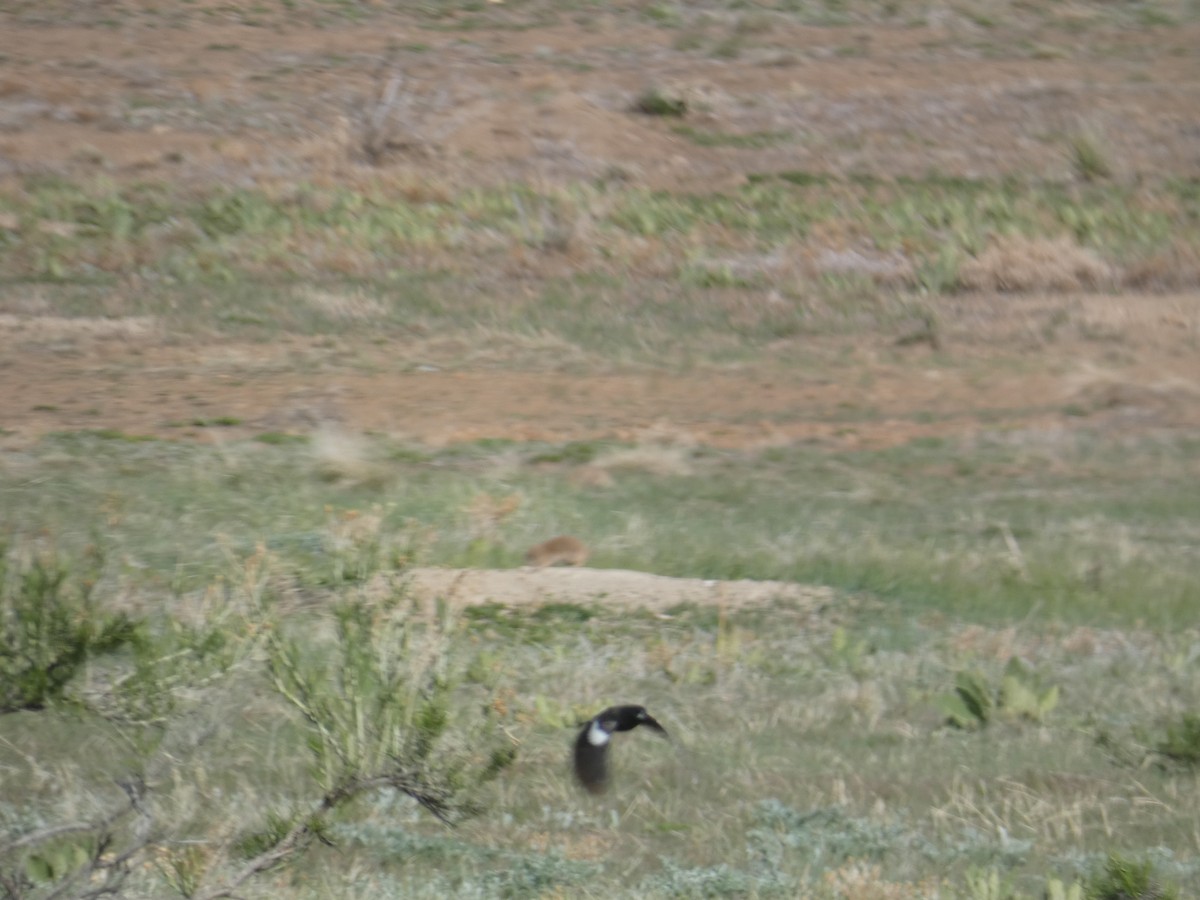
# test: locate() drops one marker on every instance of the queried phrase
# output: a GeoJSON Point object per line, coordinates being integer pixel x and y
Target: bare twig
{"type": "Point", "coordinates": [115, 868]}
{"type": "Point", "coordinates": [307, 828]}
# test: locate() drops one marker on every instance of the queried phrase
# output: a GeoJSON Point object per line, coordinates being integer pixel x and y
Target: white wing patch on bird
{"type": "Point", "coordinates": [597, 736]}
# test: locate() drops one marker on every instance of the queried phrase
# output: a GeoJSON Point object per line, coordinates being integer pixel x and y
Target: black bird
{"type": "Point", "coordinates": [591, 747]}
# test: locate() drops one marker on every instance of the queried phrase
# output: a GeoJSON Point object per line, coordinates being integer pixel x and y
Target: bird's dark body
{"type": "Point", "coordinates": [592, 743]}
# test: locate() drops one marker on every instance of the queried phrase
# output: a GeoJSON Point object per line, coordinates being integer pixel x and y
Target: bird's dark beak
{"type": "Point", "coordinates": [651, 722]}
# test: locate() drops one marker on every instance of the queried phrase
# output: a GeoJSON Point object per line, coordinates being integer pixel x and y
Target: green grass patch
{"type": "Point", "coordinates": [317, 260]}
{"type": "Point", "coordinates": [754, 140]}
{"type": "Point", "coordinates": [276, 438]}
{"type": "Point", "coordinates": [987, 534]}
{"type": "Point", "coordinates": [808, 750]}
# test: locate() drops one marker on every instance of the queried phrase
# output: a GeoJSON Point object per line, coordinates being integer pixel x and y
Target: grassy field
{"type": "Point", "coordinates": [813, 752]}
{"type": "Point", "coordinates": [1078, 531]}
{"type": "Point", "coordinates": [618, 275]}
{"type": "Point", "coordinates": [965, 412]}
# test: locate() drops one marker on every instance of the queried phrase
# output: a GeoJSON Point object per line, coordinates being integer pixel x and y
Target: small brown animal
{"type": "Point", "coordinates": [563, 550]}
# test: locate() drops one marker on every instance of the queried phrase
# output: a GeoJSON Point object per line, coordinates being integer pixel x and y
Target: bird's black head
{"type": "Point", "coordinates": [627, 718]}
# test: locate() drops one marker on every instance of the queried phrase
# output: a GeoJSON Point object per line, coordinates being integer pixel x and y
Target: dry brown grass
{"type": "Point", "coordinates": [882, 268]}
{"type": "Point", "coordinates": [865, 881]}
{"type": "Point", "coordinates": [1174, 267]}
{"type": "Point", "coordinates": [653, 459]}
{"type": "Point", "coordinates": [57, 328]}
{"type": "Point", "coordinates": [486, 512]}
{"type": "Point", "coordinates": [350, 305]}
{"type": "Point", "coordinates": [339, 455]}
{"type": "Point", "coordinates": [1015, 263]}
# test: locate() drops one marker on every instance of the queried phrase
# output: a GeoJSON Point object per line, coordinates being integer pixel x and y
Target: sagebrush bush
{"type": "Point", "coordinates": [379, 703]}
{"type": "Point", "coordinates": [49, 627]}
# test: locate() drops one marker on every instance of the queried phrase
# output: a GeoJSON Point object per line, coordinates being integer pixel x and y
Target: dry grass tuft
{"type": "Point", "coordinates": [858, 880]}
{"type": "Point", "coordinates": [57, 328]}
{"type": "Point", "coordinates": [349, 306]}
{"type": "Point", "coordinates": [1169, 399]}
{"type": "Point", "coordinates": [882, 268]}
{"type": "Point", "coordinates": [1173, 267]}
{"type": "Point", "coordinates": [661, 433]}
{"type": "Point", "coordinates": [341, 456]}
{"type": "Point", "coordinates": [487, 512]}
{"type": "Point", "coordinates": [591, 477]}
{"type": "Point", "coordinates": [653, 459]}
{"type": "Point", "coordinates": [1015, 263]}
{"type": "Point", "coordinates": [353, 528]}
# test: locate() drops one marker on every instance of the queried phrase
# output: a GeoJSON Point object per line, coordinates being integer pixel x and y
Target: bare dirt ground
{"type": "Point", "coordinates": [125, 92]}
{"type": "Point", "coordinates": [611, 587]}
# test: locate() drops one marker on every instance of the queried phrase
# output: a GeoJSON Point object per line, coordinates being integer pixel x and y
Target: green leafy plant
{"type": "Point", "coordinates": [970, 706]}
{"type": "Point", "coordinates": [55, 860]}
{"type": "Point", "coordinates": [1020, 695]}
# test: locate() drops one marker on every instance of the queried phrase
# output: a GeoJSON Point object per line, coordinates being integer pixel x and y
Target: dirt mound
{"type": "Point", "coordinates": [612, 587]}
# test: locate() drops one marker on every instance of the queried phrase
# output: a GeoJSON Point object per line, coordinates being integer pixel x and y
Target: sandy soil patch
{"type": "Point", "coordinates": [615, 588]}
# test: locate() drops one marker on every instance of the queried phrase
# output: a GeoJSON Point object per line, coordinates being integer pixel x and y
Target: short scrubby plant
{"type": "Point", "coordinates": [50, 627]}
{"type": "Point", "coordinates": [1181, 745]}
{"type": "Point", "coordinates": [1087, 158]}
{"type": "Point", "coordinates": [654, 102]}
{"type": "Point", "coordinates": [1127, 879]}
{"type": "Point", "coordinates": [379, 701]}
{"type": "Point", "coordinates": [378, 707]}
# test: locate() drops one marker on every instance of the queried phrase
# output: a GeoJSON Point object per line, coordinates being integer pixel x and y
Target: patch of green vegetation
{"type": "Point", "coordinates": [974, 703]}
{"type": "Point", "coordinates": [1088, 161]}
{"type": "Point", "coordinates": [1153, 17]}
{"type": "Point", "coordinates": [772, 679]}
{"type": "Point", "coordinates": [278, 438]}
{"type": "Point", "coordinates": [410, 455]}
{"type": "Point", "coordinates": [1181, 745]}
{"type": "Point", "coordinates": [1129, 879]}
{"type": "Point", "coordinates": [542, 625]}
{"type": "Point", "coordinates": [1081, 540]}
{"type": "Point", "coordinates": [753, 140]}
{"type": "Point", "coordinates": [50, 629]}
{"type": "Point", "coordinates": [802, 179]}
{"type": "Point", "coordinates": [376, 718]}
{"type": "Point", "coordinates": [575, 453]}
{"type": "Point", "coordinates": [564, 613]}
{"type": "Point", "coordinates": [111, 434]}
{"type": "Point", "coordinates": [667, 14]}
{"type": "Point", "coordinates": [654, 102]}
{"type": "Point", "coordinates": [240, 260]}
